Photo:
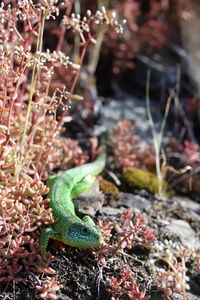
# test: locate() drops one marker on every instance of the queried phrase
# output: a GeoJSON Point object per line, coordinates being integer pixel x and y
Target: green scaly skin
{"type": "Point", "coordinates": [69, 228]}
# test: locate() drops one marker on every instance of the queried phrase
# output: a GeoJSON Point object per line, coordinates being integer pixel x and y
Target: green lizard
{"type": "Point", "coordinates": [69, 228]}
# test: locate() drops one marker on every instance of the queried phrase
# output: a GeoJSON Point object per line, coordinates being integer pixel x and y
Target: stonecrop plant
{"type": "Point", "coordinates": [37, 85]}
{"type": "Point", "coordinates": [129, 231]}
{"type": "Point", "coordinates": [172, 277]}
{"type": "Point", "coordinates": [126, 285]}
{"type": "Point", "coordinates": [126, 149]}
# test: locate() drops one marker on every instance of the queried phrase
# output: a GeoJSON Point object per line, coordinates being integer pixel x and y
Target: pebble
{"type": "Point", "coordinates": [136, 203]}
{"type": "Point", "coordinates": [185, 233]}
{"type": "Point", "coordinates": [187, 203]}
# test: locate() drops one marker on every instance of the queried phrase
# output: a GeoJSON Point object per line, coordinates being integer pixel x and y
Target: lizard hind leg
{"type": "Point", "coordinates": [82, 186]}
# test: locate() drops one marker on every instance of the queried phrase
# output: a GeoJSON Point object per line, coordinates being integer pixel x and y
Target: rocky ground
{"type": "Point", "coordinates": [176, 219]}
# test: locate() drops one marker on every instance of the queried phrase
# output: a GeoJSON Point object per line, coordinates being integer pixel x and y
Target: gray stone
{"type": "Point", "coordinates": [192, 297]}
{"type": "Point", "coordinates": [111, 211]}
{"type": "Point", "coordinates": [90, 201]}
{"type": "Point", "coordinates": [132, 109]}
{"type": "Point", "coordinates": [135, 202]}
{"type": "Point", "coordinates": [187, 203]}
{"type": "Point", "coordinates": [185, 233]}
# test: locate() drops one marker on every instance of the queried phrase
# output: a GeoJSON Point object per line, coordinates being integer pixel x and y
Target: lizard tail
{"type": "Point", "coordinates": [93, 168]}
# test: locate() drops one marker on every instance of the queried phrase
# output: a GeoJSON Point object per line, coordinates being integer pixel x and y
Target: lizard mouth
{"type": "Point", "coordinates": [96, 243]}
{"type": "Point", "coordinates": [100, 240]}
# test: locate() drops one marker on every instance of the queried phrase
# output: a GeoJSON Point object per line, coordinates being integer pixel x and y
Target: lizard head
{"type": "Point", "coordinates": [83, 235]}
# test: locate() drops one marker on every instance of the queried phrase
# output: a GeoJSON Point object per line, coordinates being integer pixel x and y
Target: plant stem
{"type": "Point", "coordinates": [77, 7]}
{"type": "Point", "coordinates": [63, 29]}
{"type": "Point", "coordinates": [32, 90]}
{"type": "Point", "coordinates": [158, 136]}
{"type": "Point", "coordinates": [156, 140]}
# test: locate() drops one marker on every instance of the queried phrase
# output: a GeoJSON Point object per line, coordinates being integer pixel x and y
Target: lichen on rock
{"type": "Point", "coordinates": [140, 179]}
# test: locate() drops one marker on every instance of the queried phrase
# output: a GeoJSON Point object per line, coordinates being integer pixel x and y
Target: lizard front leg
{"type": "Point", "coordinates": [88, 220]}
{"type": "Point", "coordinates": [44, 239]}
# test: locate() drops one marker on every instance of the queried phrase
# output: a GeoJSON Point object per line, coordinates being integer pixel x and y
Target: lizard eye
{"type": "Point", "coordinates": [85, 230]}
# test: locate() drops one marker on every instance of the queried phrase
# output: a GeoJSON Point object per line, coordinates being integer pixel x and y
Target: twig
{"type": "Point", "coordinates": [157, 136]}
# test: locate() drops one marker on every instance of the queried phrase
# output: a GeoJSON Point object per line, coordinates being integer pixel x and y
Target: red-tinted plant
{"type": "Point", "coordinates": [49, 288]}
{"type": "Point", "coordinates": [191, 153]}
{"type": "Point", "coordinates": [172, 277]}
{"type": "Point", "coordinates": [126, 150]}
{"type": "Point", "coordinates": [124, 144]}
{"type": "Point", "coordinates": [126, 285]}
{"type": "Point", "coordinates": [34, 99]}
{"type": "Point", "coordinates": [127, 233]}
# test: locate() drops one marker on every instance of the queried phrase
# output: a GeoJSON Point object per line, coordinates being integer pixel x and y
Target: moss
{"type": "Point", "coordinates": [109, 189]}
{"type": "Point", "coordinates": [140, 179]}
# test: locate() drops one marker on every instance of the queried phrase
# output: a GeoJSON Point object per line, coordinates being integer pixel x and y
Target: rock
{"type": "Point", "coordinates": [90, 201]}
{"type": "Point", "coordinates": [189, 296]}
{"type": "Point", "coordinates": [187, 203]}
{"type": "Point", "coordinates": [135, 202]}
{"type": "Point", "coordinates": [132, 109]}
{"type": "Point", "coordinates": [111, 211]}
{"type": "Point", "coordinates": [185, 233]}
{"type": "Point", "coordinates": [192, 297]}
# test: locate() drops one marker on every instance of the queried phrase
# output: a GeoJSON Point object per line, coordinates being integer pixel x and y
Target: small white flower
{"type": "Point", "coordinates": [103, 9]}
{"type": "Point", "coordinates": [89, 13]}
{"type": "Point", "coordinates": [178, 286]}
{"type": "Point", "coordinates": [187, 286]}
{"type": "Point", "coordinates": [180, 275]}
{"type": "Point", "coordinates": [98, 13]}
{"type": "Point", "coordinates": [170, 278]}
{"type": "Point", "coordinates": [187, 278]}
{"type": "Point", "coordinates": [151, 261]}
{"type": "Point", "coordinates": [114, 14]}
